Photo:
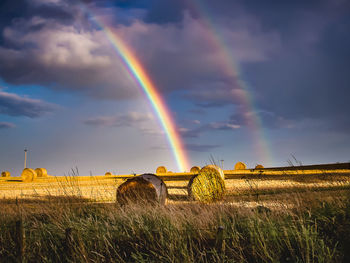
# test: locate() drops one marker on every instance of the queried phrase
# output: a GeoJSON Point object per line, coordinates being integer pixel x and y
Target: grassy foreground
{"type": "Point", "coordinates": [313, 231]}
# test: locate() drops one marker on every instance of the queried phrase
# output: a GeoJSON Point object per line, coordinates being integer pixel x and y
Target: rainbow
{"type": "Point", "coordinates": [231, 69]}
{"type": "Point", "coordinates": [139, 74]}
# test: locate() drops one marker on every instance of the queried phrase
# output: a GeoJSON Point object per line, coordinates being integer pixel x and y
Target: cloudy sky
{"type": "Point", "coordinates": [252, 81]}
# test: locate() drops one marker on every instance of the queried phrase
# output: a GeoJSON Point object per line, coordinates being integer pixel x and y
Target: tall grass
{"type": "Point", "coordinates": [313, 231]}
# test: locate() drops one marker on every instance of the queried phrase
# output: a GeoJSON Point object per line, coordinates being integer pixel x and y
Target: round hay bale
{"type": "Point", "coordinates": [195, 169]}
{"type": "Point", "coordinates": [142, 189]}
{"type": "Point", "coordinates": [259, 166]}
{"type": "Point", "coordinates": [108, 174]}
{"type": "Point", "coordinates": [213, 169]}
{"type": "Point", "coordinates": [28, 175]}
{"type": "Point", "coordinates": [207, 186]}
{"type": "Point", "coordinates": [5, 174]}
{"type": "Point", "coordinates": [41, 172]}
{"type": "Point", "coordinates": [161, 170]}
{"type": "Point", "coordinates": [240, 166]}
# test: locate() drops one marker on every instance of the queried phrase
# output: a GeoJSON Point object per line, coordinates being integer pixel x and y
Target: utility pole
{"type": "Point", "coordinates": [222, 164]}
{"type": "Point", "coordinates": [25, 158]}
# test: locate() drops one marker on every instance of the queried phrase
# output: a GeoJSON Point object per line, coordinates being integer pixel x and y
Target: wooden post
{"type": "Point", "coordinates": [69, 243]}
{"type": "Point", "coordinates": [20, 241]}
{"type": "Point", "coordinates": [220, 240]}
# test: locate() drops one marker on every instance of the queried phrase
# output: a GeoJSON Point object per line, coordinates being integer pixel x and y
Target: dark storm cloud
{"type": "Point", "coordinates": [201, 147]}
{"type": "Point", "coordinates": [15, 105]}
{"type": "Point", "coordinates": [6, 125]}
{"type": "Point", "coordinates": [293, 55]}
{"type": "Point", "coordinates": [49, 52]}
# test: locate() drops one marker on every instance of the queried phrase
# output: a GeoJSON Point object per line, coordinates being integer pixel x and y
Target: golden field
{"type": "Point", "coordinates": [238, 186]}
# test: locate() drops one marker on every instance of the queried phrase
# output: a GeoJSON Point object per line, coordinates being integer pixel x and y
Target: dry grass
{"type": "Point", "coordinates": [295, 219]}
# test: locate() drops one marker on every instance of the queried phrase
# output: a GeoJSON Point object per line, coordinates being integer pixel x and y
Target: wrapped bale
{"type": "Point", "coordinates": [144, 189]}
{"type": "Point", "coordinates": [28, 175]}
{"type": "Point", "coordinates": [208, 186]}
{"type": "Point", "coordinates": [5, 174]}
{"type": "Point", "coordinates": [161, 170]}
{"type": "Point", "coordinates": [41, 172]}
{"type": "Point", "coordinates": [195, 169]}
{"type": "Point", "coordinates": [240, 166]}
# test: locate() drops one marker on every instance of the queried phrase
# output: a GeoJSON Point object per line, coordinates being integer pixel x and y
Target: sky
{"type": "Point", "coordinates": [261, 82]}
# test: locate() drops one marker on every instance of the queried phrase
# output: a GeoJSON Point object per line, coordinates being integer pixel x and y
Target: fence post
{"type": "Point", "coordinates": [220, 240]}
{"type": "Point", "coordinates": [69, 242]}
{"type": "Point", "coordinates": [20, 239]}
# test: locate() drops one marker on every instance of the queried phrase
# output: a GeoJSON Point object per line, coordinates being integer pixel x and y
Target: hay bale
{"type": "Point", "coordinates": [28, 175]}
{"type": "Point", "coordinates": [240, 166]}
{"type": "Point", "coordinates": [144, 189]}
{"type": "Point", "coordinates": [214, 169]}
{"type": "Point", "coordinates": [41, 172]}
{"type": "Point", "coordinates": [207, 186]}
{"type": "Point", "coordinates": [5, 174]}
{"type": "Point", "coordinates": [195, 169]}
{"type": "Point", "coordinates": [259, 166]}
{"type": "Point", "coordinates": [161, 170]}
{"type": "Point", "coordinates": [108, 174]}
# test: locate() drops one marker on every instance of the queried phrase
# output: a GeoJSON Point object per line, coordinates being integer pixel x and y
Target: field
{"type": "Point", "coordinates": [297, 217]}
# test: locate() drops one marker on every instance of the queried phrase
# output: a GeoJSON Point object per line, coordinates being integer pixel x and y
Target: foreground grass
{"type": "Point", "coordinates": [317, 229]}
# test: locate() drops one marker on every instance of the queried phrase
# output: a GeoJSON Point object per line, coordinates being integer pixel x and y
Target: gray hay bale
{"type": "Point", "coordinates": [144, 189]}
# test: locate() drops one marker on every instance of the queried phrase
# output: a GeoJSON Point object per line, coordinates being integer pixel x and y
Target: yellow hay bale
{"type": "Point", "coordinates": [240, 166]}
{"type": "Point", "coordinates": [195, 169]}
{"type": "Point", "coordinates": [108, 174]}
{"type": "Point", "coordinates": [28, 175]}
{"type": "Point", "coordinates": [5, 174]}
{"type": "Point", "coordinates": [144, 189]}
{"type": "Point", "coordinates": [214, 169]}
{"type": "Point", "coordinates": [259, 166]}
{"type": "Point", "coordinates": [161, 170]}
{"type": "Point", "coordinates": [208, 186]}
{"type": "Point", "coordinates": [41, 172]}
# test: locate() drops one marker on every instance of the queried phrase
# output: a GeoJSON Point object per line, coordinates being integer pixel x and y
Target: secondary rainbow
{"type": "Point", "coordinates": [231, 69]}
{"type": "Point", "coordinates": [138, 72]}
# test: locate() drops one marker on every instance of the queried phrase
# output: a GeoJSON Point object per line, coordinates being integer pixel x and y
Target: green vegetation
{"type": "Point", "coordinates": [315, 229]}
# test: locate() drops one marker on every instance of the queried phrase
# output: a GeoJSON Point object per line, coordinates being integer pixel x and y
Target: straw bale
{"type": "Point", "coordinates": [5, 174]}
{"type": "Point", "coordinates": [28, 175]}
{"type": "Point", "coordinates": [161, 170]}
{"type": "Point", "coordinates": [145, 189]}
{"type": "Point", "coordinates": [240, 166]}
{"type": "Point", "coordinates": [208, 185]}
{"type": "Point", "coordinates": [41, 172]}
{"type": "Point", "coordinates": [195, 169]}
